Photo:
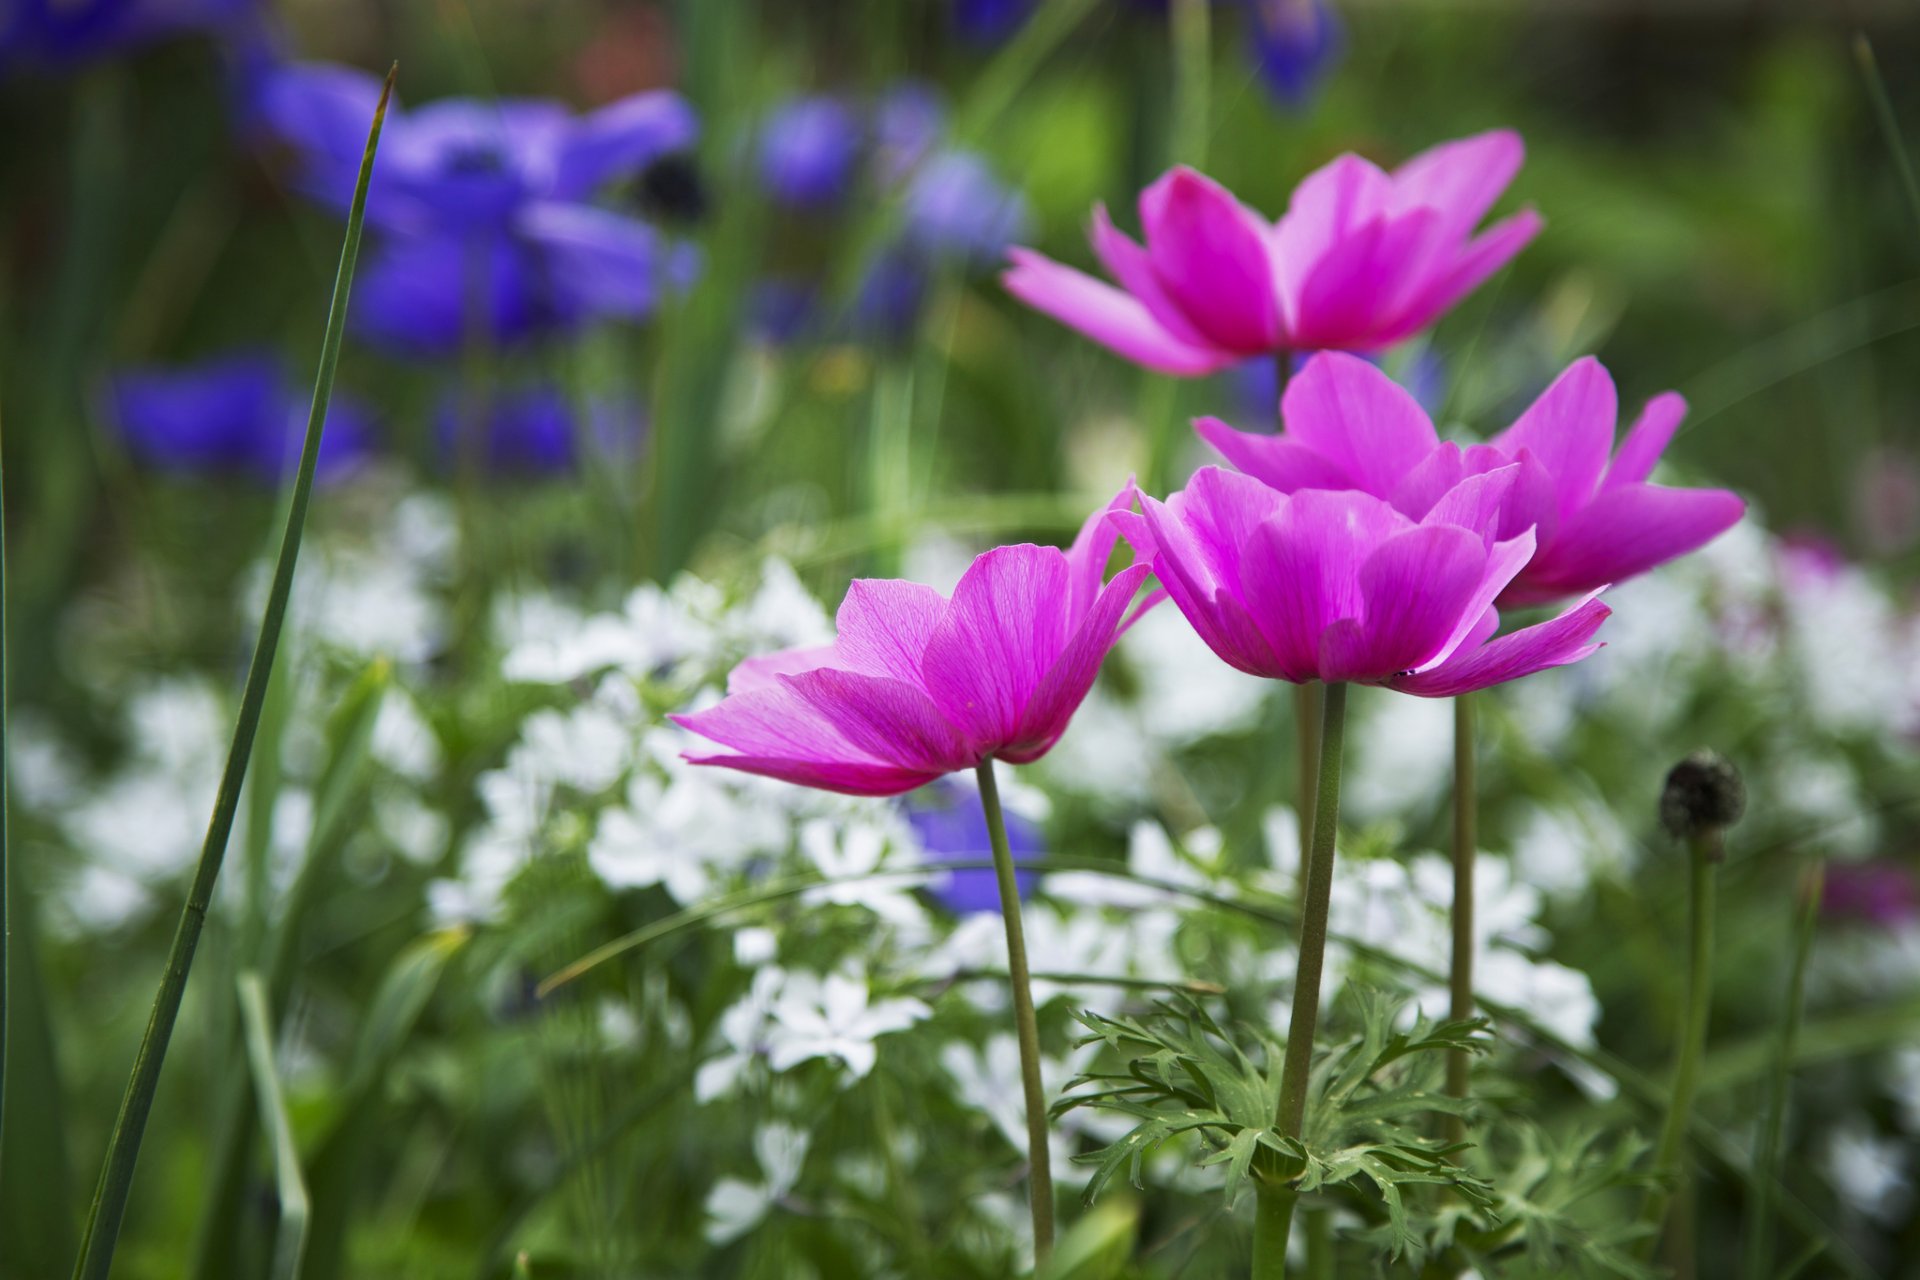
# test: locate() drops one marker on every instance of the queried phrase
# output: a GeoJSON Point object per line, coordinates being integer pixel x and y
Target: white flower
{"type": "Point", "coordinates": [833, 1017]}
{"type": "Point", "coordinates": [418, 832]}
{"type": "Point", "coordinates": [741, 1031]}
{"type": "Point", "coordinates": [843, 851]}
{"type": "Point", "coordinates": [402, 739]}
{"type": "Point", "coordinates": [1400, 758]}
{"type": "Point", "coordinates": [1867, 1171]}
{"type": "Point", "coordinates": [587, 748]}
{"type": "Point", "coordinates": [735, 1207]}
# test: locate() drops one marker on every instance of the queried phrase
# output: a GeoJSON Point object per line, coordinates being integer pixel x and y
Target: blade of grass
{"type": "Point", "coordinates": [6, 919]}
{"type": "Point", "coordinates": [36, 1192]}
{"type": "Point", "coordinates": [123, 1148]}
{"type": "Point", "coordinates": [291, 1243]}
{"type": "Point", "coordinates": [1767, 1162]}
{"type": "Point", "coordinates": [1889, 123]}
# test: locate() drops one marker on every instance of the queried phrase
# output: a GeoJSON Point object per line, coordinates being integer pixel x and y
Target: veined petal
{"type": "Point", "coordinates": [1160, 537]}
{"type": "Point", "coordinates": [1476, 502]}
{"type": "Point", "coordinates": [1353, 295]}
{"type": "Point", "coordinates": [1483, 255]}
{"type": "Point", "coordinates": [1210, 253]}
{"type": "Point", "coordinates": [883, 719]}
{"type": "Point", "coordinates": [1505, 560]}
{"type": "Point", "coordinates": [1352, 414]}
{"type": "Point", "coordinates": [1128, 263]}
{"type": "Point", "coordinates": [1110, 317]}
{"type": "Point", "coordinates": [1092, 548]}
{"type": "Point", "coordinates": [764, 670]}
{"type": "Point", "coordinates": [1569, 429]}
{"type": "Point", "coordinates": [1625, 531]}
{"type": "Point", "coordinates": [1065, 685]}
{"type": "Point", "coordinates": [1003, 630]}
{"type": "Point", "coordinates": [1302, 570]}
{"type": "Point", "coordinates": [1274, 460]}
{"type": "Point", "coordinates": [1564, 639]}
{"type": "Point", "coordinates": [1418, 589]}
{"type": "Point", "coordinates": [852, 778]}
{"type": "Point", "coordinates": [1652, 431]}
{"type": "Point", "coordinates": [1328, 203]}
{"type": "Point", "coordinates": [884, 624]}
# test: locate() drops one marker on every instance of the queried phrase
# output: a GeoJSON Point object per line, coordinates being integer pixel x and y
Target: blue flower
{"type": "Point", "coordinates": [489, 233]}
{"type": "Point", "coordinates": [1295, 43]}
{"type": "Point", "coordinates": [535, 430]}
{"type": "Point", "coordinates": [989, 21]}
{"type": "Point", "coordinates": [238, 415]}
{"type": "Point", "coordinates": [809, 150]}
{"type": "Point", "coordinates": [951, 825]}
{"type": "Point", "coordinates": [957, 208]}
{"type": "Point", "coordinates": [63, 33]}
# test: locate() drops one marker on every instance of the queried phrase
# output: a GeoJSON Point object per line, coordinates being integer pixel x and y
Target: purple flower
{"type": "Point", "coordinates": [1339, 586]}
{"type": "Point", "coordinates": [532, 431]}
{"type": "Point", "coordinates": [1879, 893]}
{"type": "Point", "coordinates": [809, 149]}
{"type": "Point", "coordinates": [67, 32]}
{"type": "Point", "coordinates": [917, 686]}
{"type": "Point", "coordinates": [957, 208]}
{"type": "Point", "coordinates": [989, 21]}
{"type": "Point", "coordinates": [1597, 520]}
{"type": "Point", "coordinates": [907, 124]}
{"type": "Point", "coordinates": [238, 415]}
{"type": "Point", "coordinates": [1295, 43]}
{"type": "Point", "coordinates": [951, 825]}
{"type": "Point", "coordinates": [489, 233]}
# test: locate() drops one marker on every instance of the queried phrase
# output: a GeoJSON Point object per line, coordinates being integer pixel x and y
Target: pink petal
{"type": "Point", "coordinates": [1504, 562]}
{"type": "Point", "coordinates": [1129, 263]}
{"type": "Point", "coordinates": [883, 719]}
{"type": "Point", "coordinates": [1359, 419]}
{"type": "Point", "coordinates": [1302, 570]}
{"type": "Point", "coordinates": [1161, 537]}
{"type": "Point", "coordinates": [1623, 532]}
{"type": "Point", "coordinates": [1065, 686]}
{"type": "Point", "coordinates": [1092, 548]}
{"type": "Point", "coordinates": [1004, 629]}
{"type": "Point", "coordinates": [884, 625]}
{"type": "Point", "coordinates": [1549, 644]}
{"type": "Point", "coordinates": [1483, 256]}
{"type": "Point", "coordinates": [764, 670]}
{"type": "Point", "coordinates": [1328, 203]}
{"type": "Point", "coordinates": [845, 777]}
{"type": "Point", "coordinates": [1360, 287]}
{"type": "Point", "coordinates": [1647, 440]}
{"type": "Point", "coordinates": [1418, 587]}
{"type": "Point", "coordinates": [1476, 502]}
{"type": "Point", "coordinates": [1569, 429]}
{"type": "Point", "coordinates": [1460, 179]}
{"type": "Point", "coordinates": [1210, 253]}
{"type": "Point", "coordinates": [1275, 460]}
{"type": "Point", "coordinates": [1108, 316]}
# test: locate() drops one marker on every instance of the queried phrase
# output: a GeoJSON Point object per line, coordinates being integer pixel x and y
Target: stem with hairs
{"type": "Point", "coordinates": [123, 1148]}
{"type": "Point", "coordinates": [1704, 853]}
{"type": "Point", "coordinates": [1273, 1220]}
{"type": "Point", "coordinates": [1026, 1026]}
{"type": "Point", "coordinates": [1466, 848]}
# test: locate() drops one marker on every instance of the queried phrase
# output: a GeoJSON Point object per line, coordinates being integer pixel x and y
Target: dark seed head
{"type": "Point", "coordinates": [1704, 795]}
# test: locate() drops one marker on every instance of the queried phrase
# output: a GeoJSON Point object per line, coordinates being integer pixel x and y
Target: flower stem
{"type": "Point", "coordinates": [1026, 1026]}
{"type": "Point", "coordinates": [1308, 711]}
{"type": "Point", "coordinates": [1704, 852]}
{"type": "Point", "coordinates": [123, 1148]}
{"type": "Point", "coordinates": [1290, 1116]}
{"type": "Point", "coordinates": [1466, 848]}
{"type": "Point", "coordinates": [1758, 1260]}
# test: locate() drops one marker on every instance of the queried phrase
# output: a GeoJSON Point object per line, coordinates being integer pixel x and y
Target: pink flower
{"type": "Point", "coordinates": [1363, 259]}
{"type": "Point", "coordinates": [1597, 522]}
{"type": "Point", "coordinates": [916, 686]}
{"type": "Point", "coordinates": [1339, 586]}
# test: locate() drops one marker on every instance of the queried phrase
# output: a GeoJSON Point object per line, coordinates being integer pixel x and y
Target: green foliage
{"type": "Point", "coordinates": [1370, 1097]}
{"type": "Point", "coordinates": [1561, 1205]}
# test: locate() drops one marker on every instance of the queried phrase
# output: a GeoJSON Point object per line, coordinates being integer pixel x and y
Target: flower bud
{"type": "Point", "coordinates": [1704, 795]}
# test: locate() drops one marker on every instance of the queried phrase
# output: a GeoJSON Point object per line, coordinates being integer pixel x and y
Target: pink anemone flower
{"type": "Point", "coordinates": [1363, 259]}
{"type": "Point", "coordinates": [1339, 586]}
{"type": "Point", "coordinates": [915, 685]}
{"type": "Point", "coordinates": [1596, 522]}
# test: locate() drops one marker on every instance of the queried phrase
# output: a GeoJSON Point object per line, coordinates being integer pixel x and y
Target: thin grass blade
{"type": "Point", "coordinates": [123, 1148]}
{"type": "Point", "coordinates": [290, 1245]}
{"type": "Point", "coordinates": [1767, 1161]}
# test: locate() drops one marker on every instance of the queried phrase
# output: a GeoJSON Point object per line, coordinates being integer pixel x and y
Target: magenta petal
{"type": "Point", "coordinates": [1065, 686]}
{"type": "Point", "coordinates": [1114, 319]}
{"type": "Point", "coordinates": [1569, 429]}
{"type": "Point", "coordinates": [1564, 639]}
{"type": "Point", "coordinates": [1002, 632]}
{"type": "Point", "coordinates": [1476, 502]}
{"type": "Point", "coordinates": [1211, 255]}
{"type": "Point", "coordinates": [884, 625]}
{"type": "Point", "coordinates": [1128, 263]}
{"type": "Point", "coordinates": [1428, 482]}
{"type": "Point", "coordinates": [764, 671]}
{"type": "Point", "coordinates": [1365, 423]}
{"type": "Point", "coordinates": [846, 777]}
{"type": "Point", "coordinates": [1161, 537]}
{"type": "Point", "coordinates": [1355, 293]}
{"type": "Point", "coordinates": [1483, 256]}
{"type": "Point", "coordinates": [1504, 562]}
{"type": "Point", "coordinates": [776, 723]}
{"type": "Point", "coordinates": [1301, 570]}
{"type": "Point", "coordinates": [1624, 532]}
{"type": "Point", "coordinates": [1418, 589]}
{"type": "Point", "coordinates": [1647, 440]}
{"type": "Point", "coordinates": [1328, 203]}
{"type": "Point", "coordinates": [1092, 548]}
{"type": "Point", "coordinates": [884, 719]}
{"type": "Point", "coordinates": [1275, 460]}
{"type": "Point", "coordinates": [1460, 179]}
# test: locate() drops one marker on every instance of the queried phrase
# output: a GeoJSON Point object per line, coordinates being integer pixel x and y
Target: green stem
{"type": "Point", "coordinates": [1466, 848]}
{"type": "Point", "coordinates": [1319, 1244]}
{"type": "Point", "coordinates": [1704, 853]}
{"type": "Point", "coordinates": [1026, 1025]}
{"type": "Point", "coordinates": [123, 1149]}
{"type": "Point", "coordinates": [1759, 1252]}
{"type": "Point", "coordinates": [1277, 1200]}
{"type": "Point", "coordinates": [1308, 710]}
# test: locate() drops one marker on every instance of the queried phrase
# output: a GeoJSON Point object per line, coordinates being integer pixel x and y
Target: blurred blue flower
{"type": "Point", "coordinates": [484, 206]}
{"type": "Point", "coordinates": [1295, 44]}
{"type": "Point", "coordinates": [67, 32]}
{"type": "Point", "coordinates": [907, 123]}
{"type": "Point", "coordinates": [1257, 389]}
{"type": "Point", "coordinates": [537, 431]}
{"type": "Point", "coordinates": [809, 150]}
{"type": "Point", "coordinates": [951, 825]}
{"type": "Point", "coordinates": [989, 21]}
{"type": "Point", "coordinates": [234, 415]}
{"type": "Point", "coordinates": [957, 208]}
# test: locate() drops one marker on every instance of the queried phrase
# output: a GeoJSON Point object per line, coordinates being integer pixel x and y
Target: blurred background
{"type": "Point", "coordinates": [656, 288]}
